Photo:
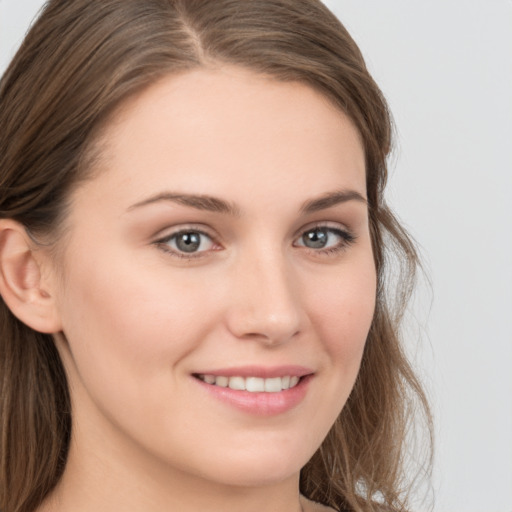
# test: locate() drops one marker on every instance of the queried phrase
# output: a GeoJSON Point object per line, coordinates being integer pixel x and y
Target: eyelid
{"type": "Point", "coordinates": [164, 236]}
{"type": "Point", "coordinates": [169, 231]}
{"type": "Point", "coordinates": [347, 235]}
{"type": "Point", "coordinates": [336, 226]}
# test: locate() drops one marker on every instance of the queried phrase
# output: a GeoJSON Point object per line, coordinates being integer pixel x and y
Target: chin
{"type": "Point", "coordinates": [257, 475]}
{"type": "Point", "coordinates": [259, 466]}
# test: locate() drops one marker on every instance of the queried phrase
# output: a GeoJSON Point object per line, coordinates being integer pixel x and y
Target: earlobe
{"type": "Point", "coordinates": [21, 283]}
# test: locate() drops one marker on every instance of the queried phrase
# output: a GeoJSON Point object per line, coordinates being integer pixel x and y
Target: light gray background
{"type": "Point", "coordinates": [446, 69]}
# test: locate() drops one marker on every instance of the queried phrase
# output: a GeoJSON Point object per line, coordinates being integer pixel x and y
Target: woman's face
{"type": "Point", "coordinates": [223, 242]}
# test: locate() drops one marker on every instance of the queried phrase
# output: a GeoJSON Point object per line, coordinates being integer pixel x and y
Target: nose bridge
{"type": "Point", "coordinates": [265, 303]}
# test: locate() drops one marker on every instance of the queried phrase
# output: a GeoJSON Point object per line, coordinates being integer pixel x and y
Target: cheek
{"type": "Point", "coordinates": [342, 312]}
{"type": "Point", "coordinates": [128, 319]}
{"type": "Point", "coordinates": [129, 329]}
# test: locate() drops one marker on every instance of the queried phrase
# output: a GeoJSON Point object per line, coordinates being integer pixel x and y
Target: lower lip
{"type": "Point", "coordinates": [260, 404]}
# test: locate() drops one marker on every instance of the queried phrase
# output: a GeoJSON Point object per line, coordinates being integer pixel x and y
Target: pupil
{"type": "Point", "coordinates": [188, 242]}
{"type": "Point", "coordinates": [315, 239]}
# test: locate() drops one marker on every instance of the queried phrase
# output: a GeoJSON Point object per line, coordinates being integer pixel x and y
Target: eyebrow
{"type": "Point", "coordinates": [332, 199]}
{"type": "Point", "coordinates": [216, 205]}
{"type": "Point", "coordinates": [198, 201]}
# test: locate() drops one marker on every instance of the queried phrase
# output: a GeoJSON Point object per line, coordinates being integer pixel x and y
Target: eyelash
{"type": "Point", "coordinates": [347, 239]}
{"type": "Point", "coordinates": [163, 243]}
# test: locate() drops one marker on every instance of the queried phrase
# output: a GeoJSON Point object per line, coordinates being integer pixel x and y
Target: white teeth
{"type": "Point", "coordinates": [273, 385]}
{"type": "Point", "coordinates": [209, 379]}
{"type": "Point", "coordinates": [222, 382]}
{"type": "Point", "coordinates": [252, 384]}
{"type": "Point", "coordinates": [255, 384]}
{"type": "Point", "coordinates": [237, 383]}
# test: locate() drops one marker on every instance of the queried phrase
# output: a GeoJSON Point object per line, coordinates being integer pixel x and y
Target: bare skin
{"type": "Point", "coordinates": [157, 289]}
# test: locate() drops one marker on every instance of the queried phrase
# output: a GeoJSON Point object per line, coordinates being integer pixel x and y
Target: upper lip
{"type": "Point", "coordinates": [265, 372]}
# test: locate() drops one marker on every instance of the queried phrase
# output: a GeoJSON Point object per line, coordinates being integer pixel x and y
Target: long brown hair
{"type": "Point", "coordinates": [79, 61]}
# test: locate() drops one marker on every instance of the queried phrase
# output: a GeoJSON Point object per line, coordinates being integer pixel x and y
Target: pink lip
{"type": "Point", "coordinates": [260, 404]}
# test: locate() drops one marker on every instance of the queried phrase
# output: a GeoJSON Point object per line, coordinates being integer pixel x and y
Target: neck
{"type": "Point", "coordinates": [102, 475]}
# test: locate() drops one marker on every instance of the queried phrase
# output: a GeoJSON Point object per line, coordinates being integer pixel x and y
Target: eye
{"type": "Point", "coordinates": [187, 242]}
{"type": "Point", "coordinates": [325, 239]}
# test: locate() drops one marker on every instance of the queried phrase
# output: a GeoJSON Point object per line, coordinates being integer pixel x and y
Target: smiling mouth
{"type": "Point", "coordinates": [251, 384]}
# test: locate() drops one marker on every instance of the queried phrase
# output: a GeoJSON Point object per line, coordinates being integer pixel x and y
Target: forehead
{"type": "Point", "coordinates": [207, 129]}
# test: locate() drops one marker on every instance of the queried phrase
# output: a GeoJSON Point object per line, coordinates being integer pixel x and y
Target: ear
{"type": "Point", "coordinates": [26, 293]}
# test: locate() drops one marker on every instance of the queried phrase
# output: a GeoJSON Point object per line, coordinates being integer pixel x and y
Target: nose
{"type": "Point", "coordinates": [265, 301]}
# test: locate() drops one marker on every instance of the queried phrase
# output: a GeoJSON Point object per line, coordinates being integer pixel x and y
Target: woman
{"type": "Point", "coordinates": [192, 264]}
